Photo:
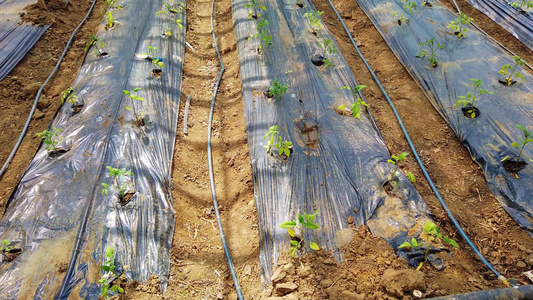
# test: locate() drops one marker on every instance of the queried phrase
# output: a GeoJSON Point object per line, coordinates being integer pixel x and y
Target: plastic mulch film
{"type": "Point", "coordinates": [16, 38]}
{"type": "Point", "coordinates": [339, 163]}
{"type": "Point", "coordinates": [489, 135]}
{"type": "Point", "coordinates": [519, 22]}
{"type": "Point", "coordinates": [58, 214]}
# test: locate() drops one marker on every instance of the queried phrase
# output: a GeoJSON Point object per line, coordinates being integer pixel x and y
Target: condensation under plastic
{"type": "Point", "coordinates": [16, 38]}
{"type": "Point", "coordinates": [517, 21]}
{"type": "Point", "coordinates": [57, 214]}
{"type": "Point", "coordinates": [487, 137]}
{"type": "Point", "coordinates": [339, 163]}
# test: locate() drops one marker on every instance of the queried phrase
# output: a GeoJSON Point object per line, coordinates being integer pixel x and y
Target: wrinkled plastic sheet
{"type": "Point", "coordinates": [339, 163]}
{"type": "Point", "coordinates": [487, 137]}
{"type": "Point", "coordinates": [57, 214]}
{"type": "Point", "coordinates": [16, 38]}
{"type": "Point", "coordinates": [519, 24]}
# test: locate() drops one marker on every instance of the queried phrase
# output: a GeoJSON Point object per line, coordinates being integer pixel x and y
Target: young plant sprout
{"type": "Point", "coordinates": [168, 9]}
{"type": "Point", "coordinates": [409, 5]}
{"type": "Point", "coordinates": [116, 175]}
{"type": "Point", "coordinates": [97, 43]}
{"type": "Point", "coordinates": [284, 147]}
{"type": "Point", "coordinates": [430, 55]}
{"type": "Point", "coordinates": [262, 32]}
{"type": "Point", "coordinates": [314, 19]}
{"type": "Point", "coordinates": [69, 95]}
{"type": "Point", "coordinates": [110, 20]}
{"type": "Point", "coordinates": [522, 4]}
{"type": "Point", "coordinates": [277, 89]}
{"type": "Point", "coordinates": [356, 106]}
{"type": "Point", "coordinates": [469, 100]}
{"type": "Point", "coordinates": [523, 142]}
{"type": "Point", "coordinates": [109, 274]}
{"type": "Point", "coordinates": [5, 246]}
{"type": "Point", "coordinates": [459, 25]}
{"type": "Point", "coordinates": [254, 9]}
{"type": "Point", "coordinates": [505, 71]}
{"type": "Point", "coordinates": [327, 46]}
{"type": "Point", "coordinates": [139, 120]}
{"type": "Point", "coordinates": [395, 160]}
{"type": "Point", "coordinates": [50, 138]}
{"type": "Point", "coordinates": [156, 61]}
{"type": "Point", "coordinates": [431, 236]}
{"type": "Point", "coordinates": [113, 4]}
{"type": "Point", "coordinates": [296, 231]}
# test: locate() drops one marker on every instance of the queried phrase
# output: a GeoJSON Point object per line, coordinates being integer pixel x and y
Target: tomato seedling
{"type": "Point", "coordinates": [327, 47]}
{"type": "Point", "coordinates": [469, 100]}
{"type": "Point", "coordinates": [277, 89]}
{"type": "Point", "coordinates": [409, 5]}
{"type": "Point", "coordinates": [5, 246]}
{"type": "Point", "coordinates": [276, 141]}
{"type": "Point", "coordinates": [459, 25]}
{"type": "Point", "coordinates": [116, 175]}
{"type": "Point", "coordinates": [168, 9]}
{"type": "Point", "coordinates": [431, 236]}
{"type": "Point", "coordinates": [431, 55]}
{"type": "Point", "coordinates": [314, 19]}
{"type": "Point", "coordinates": [262, 32]}
{"type": "Point", "coordinates": [98, 43]}
{"type": "Point", "coordinates": [356, 106]}
{"type": "Point", "coordinates": [254, 9]}
{"type": "Point", "coordinates": [521, 4]}
{"type": "Point", "coordinates": [69, 95]}
{"type": "Point", "coordinates": [138, 119]}
{"type": "Point", "coordinates": [156, 61]}
{"type": "Point", "coordinates": [296, 229]}
{"type": "Point", "coordinates": [51, 138]}
{"type": "Point", "coordinates": [395, 160]}
{"type": "Point", "coordinates": [110, 20]}
{"type": "Point", "coordinates": [510, 71]}
{"type": "Point", "coordinates": [113, 4]}
{"type": "Point", "coordinates": [523, 142]}
{"type": "Point", "coordinates": [109, 275]}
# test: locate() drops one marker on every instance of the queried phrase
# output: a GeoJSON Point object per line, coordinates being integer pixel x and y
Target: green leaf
{"type": "Point", "coordinates": [109, 252]}
{"type": "Point", "coordinates": [105, 268]}
{"type": "Point", "coordinates": [411, 177]}
{"type": "Point", "coordinates": [420, 266]}
{"type": "Point", "coordinates": [342, 107]}
{"type": "Point", "coordinates": [314, 246]}
{"type": "Point", "coordinates": [292, 251]}
{"type": "Point", "coordinates": [291, 233]}
{"type": "Point", "coordinates": [515, 144]}
{"type": "Point", "coordinates": [120, 290]}
{"type": "Point", "coordinates": [313, 216]}
{"type": "Point", "coordinates": [288, 224]}
{"type": "Point", "coordinates": [311, 225]}
{"type": "Point", "coordinates": [406, 244]}
{"type": "Point", "coordinates": [414, 242]}
{"type": "Point", "coordinates": [114, 288]}
{"type": "Point", "coordinates": [294, 243]}
{"type": "Point", "coordinates": [127, 92]}
{"type": "Point", "coordinates": [300, 218]}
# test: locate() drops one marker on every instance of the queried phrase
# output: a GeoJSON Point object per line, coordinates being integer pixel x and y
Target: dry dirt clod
{"type": "Point", "coordinates": [285, 288]}
{"type": "Point", "coordinates": [396, 282]}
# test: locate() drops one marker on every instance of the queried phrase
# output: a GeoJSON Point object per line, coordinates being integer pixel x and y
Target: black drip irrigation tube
{"type": "Point", "coordinates": [210, 163]}
{"type": "Point", "coordinates": [25, 129]}
{"type": "Point", "coordinates": [419, 161]}
{"type": "Point", "coordinates": [490, 37]}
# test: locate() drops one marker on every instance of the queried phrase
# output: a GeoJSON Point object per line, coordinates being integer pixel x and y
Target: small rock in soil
{"type": "Point", "coordinates": [285, 288]}
{"type": "Point", "coordinates": [521, 264]}
{"type": "Point", "coordinates": [529, 260]}
{"type": "Point", "coordinates": [396, 282]}
{"type": "Point", "coordinates": [278, 276]}
{"type": "Point", "coordinates": [289, 268]}
{"type": "Point", "coordinates": [38, 115]}
{"type": "Point", "coordinates": [350, 220]}
{"type": "Point", "coordinates": [326, 283]}
{"type": "Point", "coordinates": [305, 272]}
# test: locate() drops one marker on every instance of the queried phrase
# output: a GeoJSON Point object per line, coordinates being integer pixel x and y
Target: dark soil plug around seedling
{"type": "Point", "coordinates": [388, 187]}
{"type": "Point", "coordinates": [505, 82]}
{"type": "Point", "coordinates": [140, 122]}
{"type": "Point", "coordinates": [512, 166]}
{"type": "Point", "coordinates": [157, 73]}
{"type": "Point", "coordinates": [317, 59]}
{"type": "Point", "coordinates": [77, 106]}
{"type": "Point", "coordinates": [435, 65]}
{"type": "Point", "coordinates": [300, 5]}
{"type": "Point", "coordinates": [468, 111]}
{"type": "Point", "coordinates": [102, 53]}
{"type": "Point", "coordinates": [123, 200]}
{"type": "Point", "coordinates": [12, 254]}
{"type": "Point", "coordinates": [58, 151]}
{"type": "Point", "coordinates": [267, 94]}
{"type": "Point", "coordinates": [284, 156]}
{"type": "Point", "coordinates": [428, 4]}
{"type": "Point", "coordinates": [400, 22]}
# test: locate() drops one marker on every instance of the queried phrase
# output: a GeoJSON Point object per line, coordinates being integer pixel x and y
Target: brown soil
{"type": "Point", "coordinates": [459, 179]}
{"type": "Point", "coordinates": [19, 88]}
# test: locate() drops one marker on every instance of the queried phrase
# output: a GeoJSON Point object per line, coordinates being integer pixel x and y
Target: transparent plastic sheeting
{"type": "Point", "coordinates": [487, 137]}
{"type": "Point", "coordinates": [518, 22]}
{"type": "Point", "coordinates": [16, 38]}
{"type": "Point", "coordinates": [57, 214]}
{"type": "Point", "coordinates": [339, 163]}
